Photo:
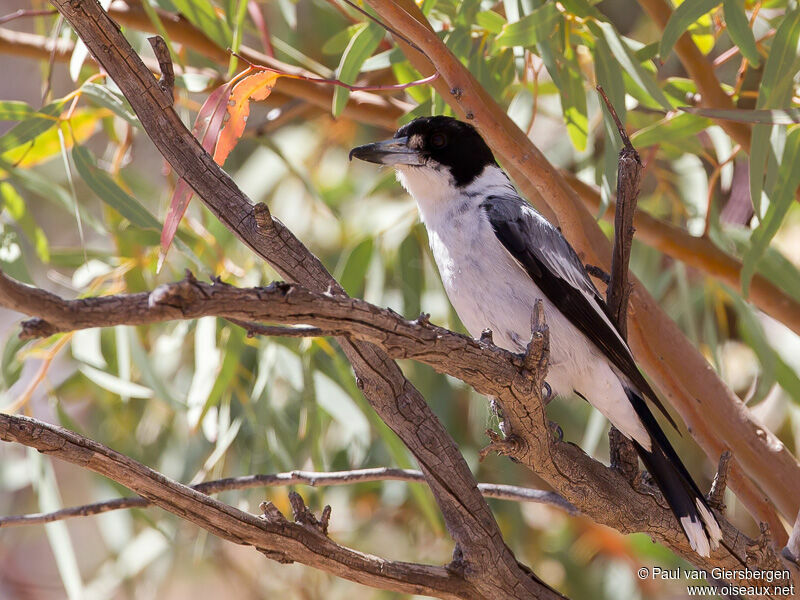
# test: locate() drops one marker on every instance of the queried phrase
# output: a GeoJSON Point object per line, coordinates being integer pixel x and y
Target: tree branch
{"type": "Point", "coordinates": [696, 252]}
{"type": "Point", "coordinates": [275, 537]}
{"type": "Point", "coordinates": [312, 478]}
{"type": "Point", "coordinates": [492, 568]}
{"type": "Point", "coordinates": [594, 489]}
{"type": "Point", "coordinates": [677, 368]}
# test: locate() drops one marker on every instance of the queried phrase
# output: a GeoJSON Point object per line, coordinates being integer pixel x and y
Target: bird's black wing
{"type": "Point", "coordinates": [556, 269]}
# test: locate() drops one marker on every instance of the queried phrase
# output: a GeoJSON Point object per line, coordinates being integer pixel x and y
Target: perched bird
{"type": "Point", "coordinates": [496, 256]}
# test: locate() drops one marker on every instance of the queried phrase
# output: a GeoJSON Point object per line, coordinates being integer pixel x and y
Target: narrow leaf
{"type": "Point", "coordinates": [684, 15]}
{"type": "Point", "coordinates": [31, 127]}
{"type": "Point", "coordinates": [628, 61]}
{"type": "Point", "coordinates": [361, 46]}
{"type": "Point", "coordinates": [253, 87]}
{"type": "Point", "coordinates": [354, 273]}
{"type": "Point", "coordinates": [786, 116]}
{"type": "Point", "coordinates": [775, 91]}
{"type": "Point", "coordinates": [201, 14]}
{"type": "Point", "coordinates": [14, 110]}
{"type": "Point", "coordinates": [15, 206]}
{"type": "Point", "coordinates": [206, 129]}
{"type": "Point", "coordinates": [531, 29]}
{"type": "Point", "coordinates": [781, 200]}
{"type": "Point", "coordinates": [739, 30]}
{"type": "Point", "coordinates": [110, 193]}
{"type": "Point", "coordinates": [669, 130]}
{"type": "Point", "coordinates": [490, 21]}
{"type": "Point", "coordinates": [103, 96]}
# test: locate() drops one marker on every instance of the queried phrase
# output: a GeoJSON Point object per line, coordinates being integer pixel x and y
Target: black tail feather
{"type": "Point", "coordinates": [680, 491]}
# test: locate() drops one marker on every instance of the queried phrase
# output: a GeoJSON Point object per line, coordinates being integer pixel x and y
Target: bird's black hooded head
{"type": "Point", "coordinates": [433, 142]}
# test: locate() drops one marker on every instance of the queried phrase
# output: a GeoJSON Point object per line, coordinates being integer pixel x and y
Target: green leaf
{"type": "Point", "coordinates": [114, 384]}
{"type": "Point", "coordinates": [363, 43]}
{"type": "Point", "coordinates": [530, 30]}
{"type": "Point", "coordinates": [412, 274]}
{"type": "Point", "coordinates": [15, 206]}
{"type": "Point", "coordinates": [490, 21]}
{"type": "Point", "coordinates": [573, 100]}
{"type": "Point", "coordinates": [40, 185]}
{"type": "Point", "coordinates": [773, 265]}
{"type": "Point", "coordinates": [354, 272]}
{"type": "Point", "coordinates": [670, 130]}
{"type": "Point", "coordinates": [782, 198]}
{"type": "Point", "coordinates": [610, 78]}
{"type": "Point", "coordinates": [775, 91]}
{"type": "Point", "coordinates": [687, 13]}
{"type": "Point", "coordinates": [628, 61]}
{"type": "Point", "coordinates": [739, 30]}
{"type": "Point", "coordinates": [110, 193]}
{"type": "Point", "coordinates": [13, 110]}
{"type": "Point", "coordinates": [46, 486]}
{"type": "Point", "coordinates": [785, 116]}
{"type": "Point", "coordinates": [31, 127]}
{"type": "Point", "coordinates": [773, 366]}
{"type": "Point", "coordinates": [202, 15]}
{"type": "Point", "coordinates": [103, 96]}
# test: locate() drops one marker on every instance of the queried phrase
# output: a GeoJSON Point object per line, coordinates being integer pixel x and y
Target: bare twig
{"type": "Point", "coordinates": [312, 478]}
{"type": "Point", "coordinates": [628, 177]}
{"type": "Point", "coordinates": [27, 12]}
{"type": "Point", "coordinates": [623, 454]}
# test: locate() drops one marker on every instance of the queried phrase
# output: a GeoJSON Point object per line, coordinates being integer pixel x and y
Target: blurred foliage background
{"type": "Point", "coordinates": [84, 193]}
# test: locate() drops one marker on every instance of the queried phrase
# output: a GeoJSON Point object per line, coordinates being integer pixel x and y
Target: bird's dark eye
{"type": "Point", "coordinates": [438, 140]}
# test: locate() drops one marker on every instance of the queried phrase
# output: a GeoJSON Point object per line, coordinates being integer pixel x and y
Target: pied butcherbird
{"type": "Point", "coordinates": [497, 256]}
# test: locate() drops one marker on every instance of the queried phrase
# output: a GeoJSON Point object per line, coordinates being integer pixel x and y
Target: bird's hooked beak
{"type": "Point", "coordinates": [395, 151]}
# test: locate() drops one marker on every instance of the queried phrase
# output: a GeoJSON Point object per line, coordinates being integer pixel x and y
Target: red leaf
{"type": "Point", "coordinates": [206, 128]}
{"type": "Point", "coordinates": [255, 87]}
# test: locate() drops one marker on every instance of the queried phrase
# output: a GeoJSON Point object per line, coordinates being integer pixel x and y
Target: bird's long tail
{"type": "Point", "coordinates": [680, 491]}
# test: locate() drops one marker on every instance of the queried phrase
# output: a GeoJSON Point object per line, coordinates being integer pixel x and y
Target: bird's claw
{"type": "Point", "coordinates": [556, 430]}
{"type": "Point", "coordinates": [547, 393]}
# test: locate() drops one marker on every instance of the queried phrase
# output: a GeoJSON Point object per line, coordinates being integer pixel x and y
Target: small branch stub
{"type": "Point", "coordinates": [167, 81]}
{"type": "Point", "coordinates": [716, 497]}
{"type": "Point", "coordinates": [511, 445]}
{"type": "Point", "coordinates": [538, 350]}
{"type": "Point", "coordinates": [304, 516]}
{"type": "Point", "coordinates": [623, 455]}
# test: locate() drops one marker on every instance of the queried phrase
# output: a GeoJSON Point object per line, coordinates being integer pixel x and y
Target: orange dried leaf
{"type": "Point", "coordinates": [253, 87]}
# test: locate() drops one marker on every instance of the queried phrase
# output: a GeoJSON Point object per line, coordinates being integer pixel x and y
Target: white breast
{"type": "Point", "coordinates": [489, 289]}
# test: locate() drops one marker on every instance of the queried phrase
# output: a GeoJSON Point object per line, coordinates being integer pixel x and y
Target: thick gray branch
{"type": "Point", "coordinates": [593, 488]}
